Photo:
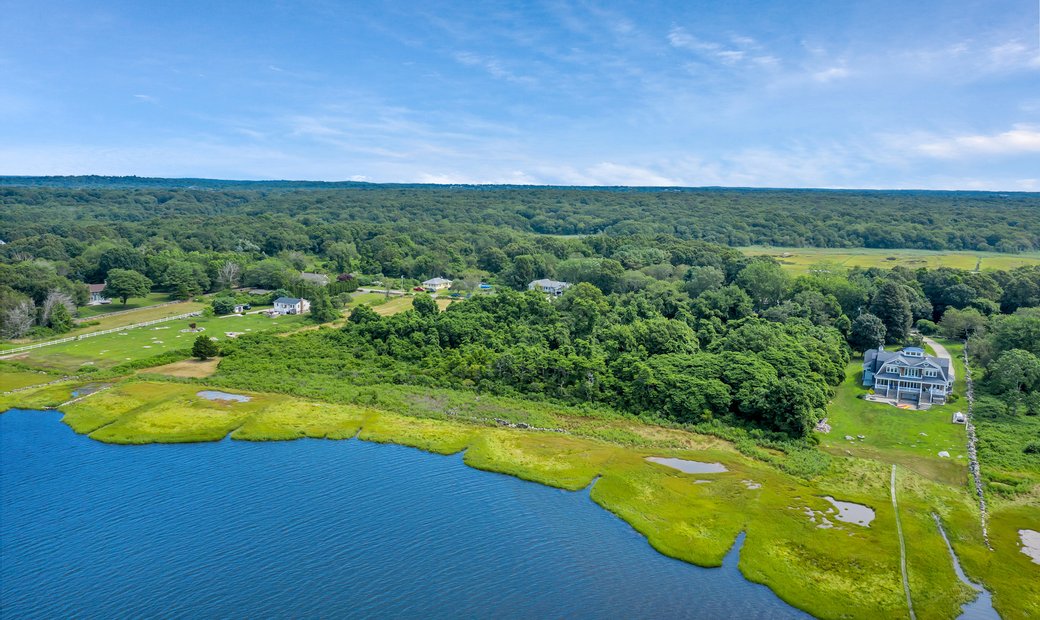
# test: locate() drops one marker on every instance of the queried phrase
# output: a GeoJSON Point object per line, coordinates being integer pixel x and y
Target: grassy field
{"type": "Point", "coordinates": [137, 303]}
{"type": "Point", "coordinates": [800, 259]}
{"type": "Point", "coordinates": [134, 344]}
{"type": "Point", "coordinates": [912, 439]}
{"type": "Point", "coordinates": [400, 304]}
{"type": "Point", "coordinates": [13, 378]}
{"type": "Point", "coordinates": [104, 322]}
{"type": "Point", "coordinates": [370, 299]}
{"type": "Point", "coordinates": [841, 571]}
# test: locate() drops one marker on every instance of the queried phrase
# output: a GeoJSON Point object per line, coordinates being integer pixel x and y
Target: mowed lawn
{"type": "Point", "coordinates": [400, 304]}
{"type": "Point", "coordinates": [153, 299]}
{"type": "Point", "coordinates": [800, 259]}
{"type": "Point", "coordinates": [133, 344]}
{"type": "Point", "coordinates": [891, 435]}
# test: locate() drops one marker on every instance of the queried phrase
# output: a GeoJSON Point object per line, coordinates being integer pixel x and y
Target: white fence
{"type": "Point", "coordinates": [30, 347]}
{"type": "Point", "coordinates": [119, 312]}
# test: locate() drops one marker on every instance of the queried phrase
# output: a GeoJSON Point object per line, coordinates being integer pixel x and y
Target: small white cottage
{"type": "Point", "coordinates": [291, 305]}
{"type": "Point", "coordinates": [436, 284]}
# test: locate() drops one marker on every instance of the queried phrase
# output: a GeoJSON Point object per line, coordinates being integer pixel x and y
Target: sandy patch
{"type": "Point", "coordinates": [187, 368]}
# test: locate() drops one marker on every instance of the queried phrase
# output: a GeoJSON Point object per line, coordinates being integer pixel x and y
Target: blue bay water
{"type": "Point", "coordinates": [313, 528]}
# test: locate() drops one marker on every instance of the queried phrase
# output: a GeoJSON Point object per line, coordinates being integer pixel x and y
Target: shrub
{"type": "Point", "coordinates": [223, 305]}
{"type": "Point", "coordinates": [204, 348]}
{"type": "Point", "coordinates": [927, 327]}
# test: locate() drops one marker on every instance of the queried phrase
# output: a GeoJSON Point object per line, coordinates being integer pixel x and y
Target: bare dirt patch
{"type": "Point", "coordinates": [193, 368]}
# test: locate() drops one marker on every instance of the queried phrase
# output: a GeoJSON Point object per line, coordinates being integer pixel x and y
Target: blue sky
{"type": "Point", "coordinates": [895, 94]}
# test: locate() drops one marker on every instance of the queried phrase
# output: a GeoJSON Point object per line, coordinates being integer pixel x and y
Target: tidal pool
{"type": "Point", "coordinates": [315, 528]}
{"type": "Point", "coordinates": [981, 608]}
{"type": "Point", "coordinates": [850, 512]}
{"type": "Point", "coordinates": [689, 467]}
{"type": "Point", "coordinates": [1030, 544]}
{"type": "Point", "coordinates": [218, 395]}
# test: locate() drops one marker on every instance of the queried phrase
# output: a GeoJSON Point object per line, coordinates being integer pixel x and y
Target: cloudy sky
{"type": "Point", "coordinates": [895, 94]}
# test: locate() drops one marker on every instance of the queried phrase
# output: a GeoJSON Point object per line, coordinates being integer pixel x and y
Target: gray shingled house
{"type": "Point", "coordinates": [908, 375]}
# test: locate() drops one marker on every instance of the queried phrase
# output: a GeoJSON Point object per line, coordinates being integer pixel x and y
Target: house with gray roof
{"type": "Point", "coordinates": [549, 287]}
{"type": "Point", "coordinates": [291, 305]}
{"type": "Point", "coordinates": [436, 284]}
{"type": "Point", "coordinates": [909, 375]}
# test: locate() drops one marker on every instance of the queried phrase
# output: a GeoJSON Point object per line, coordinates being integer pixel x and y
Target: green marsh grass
{"type": "Point", "coordinates": [845, 571]}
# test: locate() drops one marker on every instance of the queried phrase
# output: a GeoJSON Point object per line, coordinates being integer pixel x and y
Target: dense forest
{"type": "Point", "coordinates": [277, 216]}
{"type": "Point", "coordinates": [659, 321]}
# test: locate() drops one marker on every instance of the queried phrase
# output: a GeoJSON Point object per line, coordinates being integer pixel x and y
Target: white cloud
{"type": "Point", "coordinates": [493, 66]}
{"type": "Point", "coordinates": [146, 98]}
{"type": "Point", "coordinates": [1014, 54]}
{"type": "Point", "coordinates": [1020, 139]}
{"type": "Point", "coordinates": [744, 51]}
{"type": "Point", "coordinates": [830, 74]}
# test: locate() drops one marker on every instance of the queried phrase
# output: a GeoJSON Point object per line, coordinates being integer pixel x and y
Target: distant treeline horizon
{"type": "Point", "coordinates": [889, 219]}
{"type": "Point", "coordinates": [135, 181]}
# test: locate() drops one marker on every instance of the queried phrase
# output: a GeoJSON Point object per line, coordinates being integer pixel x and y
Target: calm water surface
{"type": "Point", "coordinates": [314, 528]}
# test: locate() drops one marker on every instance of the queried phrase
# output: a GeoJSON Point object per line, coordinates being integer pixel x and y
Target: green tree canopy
{"type": "Point", "coordinates": [126, 283]}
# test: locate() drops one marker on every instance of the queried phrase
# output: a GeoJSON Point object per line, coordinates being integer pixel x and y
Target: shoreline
{"type": "Point", "coordinates": [818, 571]}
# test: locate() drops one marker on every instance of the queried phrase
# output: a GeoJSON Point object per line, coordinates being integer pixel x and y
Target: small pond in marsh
{"type": "Point", "coordinates": [850, 512]}
{"type": "Point", "coordinates": [218, 395]}
{"type": "Point", "coordinates": [688, 467]}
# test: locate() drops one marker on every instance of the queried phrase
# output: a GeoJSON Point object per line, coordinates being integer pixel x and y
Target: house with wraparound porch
{"type": "Point", "coordinates": [908, 376]}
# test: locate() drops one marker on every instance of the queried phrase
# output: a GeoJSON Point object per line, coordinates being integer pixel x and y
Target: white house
{"type": "Point", "coordinates": [436, 284]}
{"type": "Point", "coordinates": [549, 287]}
{"type": "Point", "coordinates": [97, 294]}
{"type": "Point", "coordinates": [291, 305]}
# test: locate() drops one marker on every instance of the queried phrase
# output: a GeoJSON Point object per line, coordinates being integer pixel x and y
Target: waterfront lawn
{"type": "Point", "coordinates": [912, 439]}
{"type": "Point", "coordinates": [143, 342]}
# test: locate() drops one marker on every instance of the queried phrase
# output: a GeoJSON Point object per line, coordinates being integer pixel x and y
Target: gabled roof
{"type": "Point", "coordinates": [96, 288]}
{"type": "Point", "coordinates": [874, 360]}
{"type": "Point", "coordinates": [292, 301]}
{"type": "Point", "coordinates": [547, 282]}
{"type": "Point", "coordinates": [434, 281]}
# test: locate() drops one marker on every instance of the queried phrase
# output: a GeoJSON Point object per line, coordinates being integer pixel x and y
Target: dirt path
{"type": "Point", "coordinates": [902, 547]}
{"type": "Point", "coordinates": [942, 353]}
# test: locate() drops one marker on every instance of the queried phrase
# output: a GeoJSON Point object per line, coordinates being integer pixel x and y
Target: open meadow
{"type": "Point", "coordinates": [136, 303]}
{"type": "Point", "coordinates": [138, 343]}
{"type": "Point", "coordinates": [799, 260]}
